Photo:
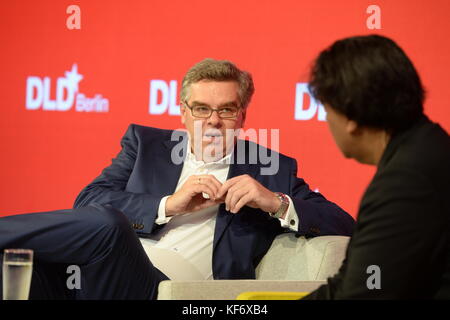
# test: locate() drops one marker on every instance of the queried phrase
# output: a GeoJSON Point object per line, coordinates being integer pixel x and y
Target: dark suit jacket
{"type": "Point", "coordinates": [403, 225]}
{"type": "Point", "coordinates": [143, 173]}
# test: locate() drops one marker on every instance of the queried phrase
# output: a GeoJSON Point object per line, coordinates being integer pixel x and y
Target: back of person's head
{"type": "Point", "coordinates": [219, 70]}
{"type": "Point", "coordinates": [370, 80]}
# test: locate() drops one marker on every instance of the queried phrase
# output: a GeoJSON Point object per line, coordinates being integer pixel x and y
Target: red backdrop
{"type": "Point", "coordinates": [120, 46]}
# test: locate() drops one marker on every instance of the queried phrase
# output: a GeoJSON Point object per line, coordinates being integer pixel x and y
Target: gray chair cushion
{"type": "Point", "coordinates": [291, 258]}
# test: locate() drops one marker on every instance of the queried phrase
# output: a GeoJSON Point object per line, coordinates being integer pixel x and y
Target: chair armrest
{"type": "Point", "coordinates": [271, 295]}
{"type": "Point", "coordinates": [227, 289]}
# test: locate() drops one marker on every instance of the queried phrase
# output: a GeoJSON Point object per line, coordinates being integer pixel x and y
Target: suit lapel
{"type": "Point", "coordinates": [169, 165]}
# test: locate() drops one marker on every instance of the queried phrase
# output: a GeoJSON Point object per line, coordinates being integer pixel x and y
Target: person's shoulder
{"type": "Point", "coordinates": [419, 161]}
{"type": "Point", "coordinates": [150, 135]}
{"type": "Point", "coordinates": [145, 130]}
{"type": "Point", "coordinates": [426, 150]}
{"type": "Point", "coordinates": [436, 140]}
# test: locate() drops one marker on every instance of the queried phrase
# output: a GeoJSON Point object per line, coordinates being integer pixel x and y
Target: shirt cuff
{"type": "Point", "coordinates": [291, 220]}
{"type": "Point", "coordinates": [162, 219]}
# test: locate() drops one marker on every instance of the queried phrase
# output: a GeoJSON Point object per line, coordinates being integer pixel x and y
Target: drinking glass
{"type": "Point", "coordinates": [17, 270]}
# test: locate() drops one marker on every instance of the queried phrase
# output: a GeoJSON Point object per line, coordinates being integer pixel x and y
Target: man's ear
{"type": "Point", "coordinates": [244, 115]}
{"type": "Point", "coordinates": [183, 113]}
{"type": "Point", "coordinates": [352, 127]}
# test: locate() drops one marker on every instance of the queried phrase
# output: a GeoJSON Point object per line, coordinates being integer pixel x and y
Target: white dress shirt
{"type": "Point", "coordinates": [182, 249]}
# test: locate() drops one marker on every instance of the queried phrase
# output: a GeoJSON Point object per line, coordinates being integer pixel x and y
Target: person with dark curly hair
{"type": "Point", "coordinates": [400, 248]}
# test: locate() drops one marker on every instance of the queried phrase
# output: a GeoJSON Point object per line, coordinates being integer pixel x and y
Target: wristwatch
{"type": "Point", "coordinates": [283, 207]}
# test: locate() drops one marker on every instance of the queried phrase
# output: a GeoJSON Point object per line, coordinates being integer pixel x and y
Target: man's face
{"type": "Point", "coordinates": [212, 134]}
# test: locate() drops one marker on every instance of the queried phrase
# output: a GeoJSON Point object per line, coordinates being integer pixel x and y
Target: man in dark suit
{"type": "Point", "coordinates": [374, 102]}
{"type": "Point", "coordinates": [204, 204]}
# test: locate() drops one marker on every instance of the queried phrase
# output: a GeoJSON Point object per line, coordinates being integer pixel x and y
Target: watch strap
{"type": "Point", "coordinates": [283, 207]}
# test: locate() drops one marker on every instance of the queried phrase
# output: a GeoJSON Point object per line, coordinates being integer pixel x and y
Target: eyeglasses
{"type": "Point", "coordinates": [200, 111]}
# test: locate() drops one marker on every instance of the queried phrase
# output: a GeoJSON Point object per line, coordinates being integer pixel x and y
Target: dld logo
{"type": "Point", "coordinates": [305, 110]}
{"type": "Point", "coordinates": [67, 95]}
{"type": "Point", "coordinates": [163, 97]}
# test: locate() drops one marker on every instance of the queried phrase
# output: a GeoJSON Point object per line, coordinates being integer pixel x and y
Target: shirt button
{"type": "Point", "coordinates": [292, 222]}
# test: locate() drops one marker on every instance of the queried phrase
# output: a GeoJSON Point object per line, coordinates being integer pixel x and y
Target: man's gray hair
{"type": "Point", "coordinates": [219, 70]}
